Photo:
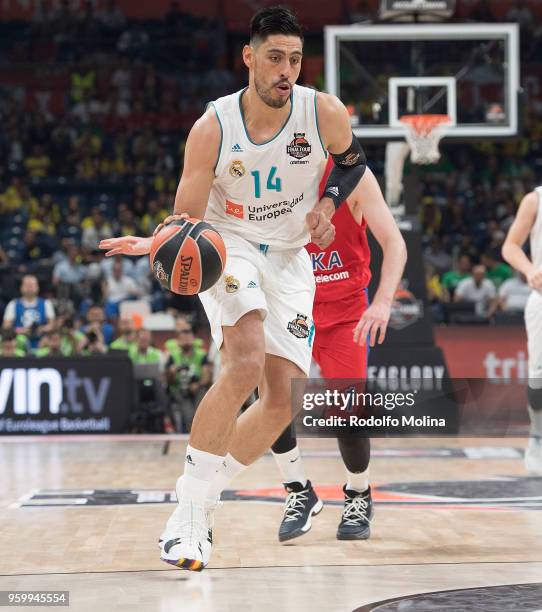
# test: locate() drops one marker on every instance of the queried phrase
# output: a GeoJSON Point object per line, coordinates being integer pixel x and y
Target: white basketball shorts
{"type": "Point", "coordinates": [533, 325]}
{"type": "Point", "coordinates": [278, 283]}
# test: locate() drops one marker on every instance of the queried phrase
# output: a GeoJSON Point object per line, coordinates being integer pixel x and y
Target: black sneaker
{"type": "Point", "coordinates": [301, 504]}
{"type": "Point", "coordinates": [357, 513]}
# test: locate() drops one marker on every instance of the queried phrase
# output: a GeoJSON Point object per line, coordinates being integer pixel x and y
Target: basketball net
{"type": "Point", "coordinates": [396, 154]}
{"type": "Point", "coordinates": [423, 134]}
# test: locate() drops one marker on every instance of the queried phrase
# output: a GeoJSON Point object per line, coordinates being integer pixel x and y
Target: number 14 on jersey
{"type": "Point", "coordinates": [274, 183]}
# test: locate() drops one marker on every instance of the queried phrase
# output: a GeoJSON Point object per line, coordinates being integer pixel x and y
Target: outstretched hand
{"type": "Point", "coordinates": [126, 245]}
{"type": "Point", "coordinates": [135, 245]}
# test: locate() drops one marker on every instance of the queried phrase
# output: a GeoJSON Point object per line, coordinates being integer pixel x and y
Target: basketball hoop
{"type": "Point", "coordinates": [423, 134]}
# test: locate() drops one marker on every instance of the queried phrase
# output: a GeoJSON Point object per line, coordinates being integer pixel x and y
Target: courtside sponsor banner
{"type": "Point", "coordinates": [65, 395]}
{"type": "Point", "coordinates": [484, 352]}
{"type": "Point", "coordinates": [409, 402]}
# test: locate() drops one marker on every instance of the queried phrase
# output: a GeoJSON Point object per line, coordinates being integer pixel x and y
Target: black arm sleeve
{"type": "Point", "coordinates": [349, 167]}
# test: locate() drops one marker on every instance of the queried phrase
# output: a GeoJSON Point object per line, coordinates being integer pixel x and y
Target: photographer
{"type": "Point", "coordinates": [96, 322]}
{"type": "Point", "coordinates": [127, 335]}
{"type": "Point", "coordinates": [51, 345]}
{"type": "Point", "coordinates": [152, 405]}
{"type": "Point", "coordinates": [72, 339]}
{"type": "Point", "coordinates": [188, 373]}
{"type": "Point", "coordinates": [8, 345]}
{"type": "Point", "coordinates": [62, 341]}
{"type": "Point", "coordinates": [93, 342]}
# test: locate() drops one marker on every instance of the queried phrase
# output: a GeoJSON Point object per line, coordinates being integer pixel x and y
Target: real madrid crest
{"type": "Point", "coordinates": [232, 284]}
{"type": "Point", "coordinates": [237, 170]}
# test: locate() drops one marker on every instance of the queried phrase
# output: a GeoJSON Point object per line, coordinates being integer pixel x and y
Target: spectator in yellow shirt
{"type": "Point", "coordinates": [95, 228]}
{"type": "Point", "coordinates": [89, 143]}
{"type": "Point", "coordinates": [12, 198]}
{"type": "Point", "coordinates": [37, 164]}
{"type": "Point", "coordinates": [126, 224]}
{"type": "Point", "coordinates": [153, 217]}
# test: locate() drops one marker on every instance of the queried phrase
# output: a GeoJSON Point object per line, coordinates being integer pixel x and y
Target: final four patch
{"type": "Point", "coordinates": [299, 327]}
{"type": "Point", "coordinates": [299, 147]}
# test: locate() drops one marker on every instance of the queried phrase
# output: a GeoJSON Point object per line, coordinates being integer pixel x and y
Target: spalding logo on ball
{"type": "Point", "coordinates": [187, 256]}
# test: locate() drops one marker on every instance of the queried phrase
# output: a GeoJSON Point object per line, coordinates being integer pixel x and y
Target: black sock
{"type": "Point", "coordinates": [285, 442]}
{"type": "Point", "coordinates": [356, 453]}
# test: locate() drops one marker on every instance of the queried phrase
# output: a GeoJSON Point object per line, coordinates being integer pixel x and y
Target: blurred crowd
{"type": "Point", "coordinates": [467, 203]}
{"type": "Point", "coordinates": [170, 380]}
{"type": "Point", "coordinates": [95, 110]}
{"type": "Point", "coordinates": [91, 145]}
{"type": "Point", "coordinates": [94, 133]}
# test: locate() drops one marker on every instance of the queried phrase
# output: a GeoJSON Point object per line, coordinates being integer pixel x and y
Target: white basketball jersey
{"type": "Point", "coordinates": [262, 192]}
{"type": "Point", "coordinates": [536, 233]}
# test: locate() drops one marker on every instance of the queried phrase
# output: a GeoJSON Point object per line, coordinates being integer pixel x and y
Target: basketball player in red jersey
{"type": "Point", "coordinates": [344, 322]}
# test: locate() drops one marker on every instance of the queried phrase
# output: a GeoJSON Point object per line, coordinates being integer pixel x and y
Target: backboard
{"type": "Point", "coordinates": [469, 72]}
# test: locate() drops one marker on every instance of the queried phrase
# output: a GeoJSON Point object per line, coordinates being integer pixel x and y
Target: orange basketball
{"type": "Point", "coordinates": [187, 256]}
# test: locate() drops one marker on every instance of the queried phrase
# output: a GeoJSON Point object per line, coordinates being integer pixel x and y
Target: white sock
{"type": "Point", "coordinates": [200, 469]}
{"type": "Point", "coordinates": [229, 469]}
{"type": "Point", "coordinates": [291, 466]}
{"type": "Point", "coordinates": [536, 422]}
{"type": "Point", "coordinates": [357, 481]}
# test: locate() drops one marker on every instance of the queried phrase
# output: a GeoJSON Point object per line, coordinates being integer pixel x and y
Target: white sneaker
{"type": "Point", "coordinates": [187, 539]}
{"type": "Point", "coordinates": [178, 487]}
{"type": "Point", "coordinates": [533, 455]}
{"type": "Point", "coordinates": [188, 535]}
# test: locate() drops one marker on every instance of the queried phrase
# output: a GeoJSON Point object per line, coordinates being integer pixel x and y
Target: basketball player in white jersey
{"type": "Point", "coordinates": [252, 167]}
{"type": "Point", "coordinates": [528, 222]}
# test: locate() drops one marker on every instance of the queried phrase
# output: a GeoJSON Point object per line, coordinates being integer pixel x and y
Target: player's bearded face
{"type": "Point", "coordinates": [276, 66]}
{"type": "Point", "coordinates": [269, 91]}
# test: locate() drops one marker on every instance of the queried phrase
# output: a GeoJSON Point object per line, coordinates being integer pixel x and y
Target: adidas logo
{"type": "Point", "coordinates": [236, 148]}
{"type": "Point", "coordinates": [189, 460]}
{"type": "Point", "coordinates": [252, 285]}
{"type": "Point", "coordinates": [333, 190]}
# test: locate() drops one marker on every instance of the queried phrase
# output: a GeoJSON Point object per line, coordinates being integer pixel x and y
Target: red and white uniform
{"type": "Point", "coordinates": [342, 274]}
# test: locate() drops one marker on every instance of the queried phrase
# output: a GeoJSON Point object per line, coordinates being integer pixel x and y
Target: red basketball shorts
{"type": "Point", "coordinates": [334, 349]}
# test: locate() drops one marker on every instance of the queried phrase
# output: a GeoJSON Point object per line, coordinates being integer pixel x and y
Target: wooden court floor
{"type": "Point", "coordinates": [84, 515]}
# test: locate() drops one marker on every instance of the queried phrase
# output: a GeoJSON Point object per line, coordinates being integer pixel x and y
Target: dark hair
{"type": "Point", "coordinates": [8, 335]}
{"type": "Point", "coordinates": [274, 20]}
